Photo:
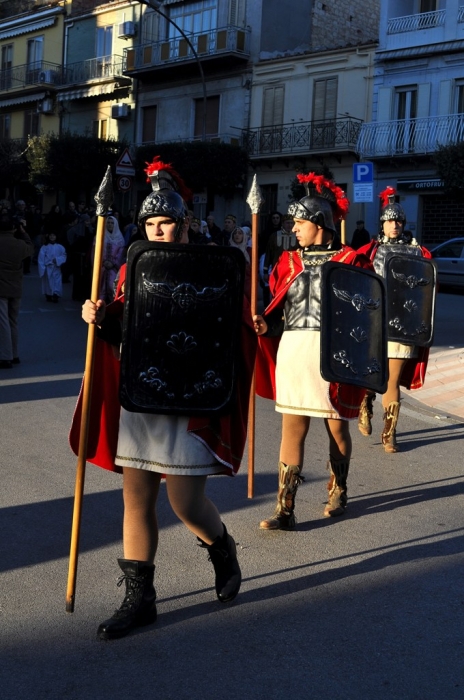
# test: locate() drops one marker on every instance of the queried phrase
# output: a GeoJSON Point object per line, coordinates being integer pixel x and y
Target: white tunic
{"type": "Point", "coordinates": [162, 444]}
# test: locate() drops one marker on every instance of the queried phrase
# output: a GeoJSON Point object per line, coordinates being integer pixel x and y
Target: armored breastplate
{"type": "Point", "coordinates": [386, 251]}
{"type": "Point", "coordinates": [303, 302]}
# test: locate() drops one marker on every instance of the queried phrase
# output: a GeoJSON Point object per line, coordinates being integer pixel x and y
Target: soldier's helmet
{"type": "Point", "coordinates": [168, 196]}
{"type": "Point", "coordinates": [391, 210]}
{"type": "Point", "coordinates": [324, 203]}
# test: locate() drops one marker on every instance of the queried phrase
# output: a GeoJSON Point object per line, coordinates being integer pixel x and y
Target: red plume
{"type": "Point", "coordinates": [324, 186]}
{"type": "Point", "coordinates": [157, 165]}
{"type": "Point", "coordinates": [387, 196]}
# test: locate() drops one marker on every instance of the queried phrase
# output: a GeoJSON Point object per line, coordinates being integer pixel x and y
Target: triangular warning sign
{"type": "Point", "coordinates": [125, 160]}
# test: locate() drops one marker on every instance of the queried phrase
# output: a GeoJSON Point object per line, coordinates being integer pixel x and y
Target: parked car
{"type": "Point", "coordinates": [449, 259]}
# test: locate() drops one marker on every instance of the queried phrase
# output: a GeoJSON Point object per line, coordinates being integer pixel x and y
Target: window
{"type": "Point", "coordinates": [324, 112]}
{"type": "Point", "coordinates": [459, 97]}
{"type": "Point", "coordinates": [5, 67]}
{"type": "Point", "coordinates": [325, 99]}
{"type": "Point", "coordinates": [270, 135]}
{"type": "Point", "coordinates": [100, 129]}
{"type": "Point", "coordinates": [31, 123]}
{"type": "Point", "coordinates": [5, 124]}
{"type": "Point", "coordinates": [34, 59]}
{"type": "Point", "coordinates": [193, 17]}
{"type": "Point", "coordinates": [427, 6]}
{"type": "Point", "coordinates": [406, 113]}
{"type": "Point", "coordinates": [104, 41]}
{"type": "Point", "coordinates": [452, 250]}
{"type": "Point", "coordinates": [149, 124]}
{"type": "Point", "coordinates": [211, 118]}
{"type": "Point", "coordinates": [150, 26]}
{"type": "Point", "coordinates": [273, 105]}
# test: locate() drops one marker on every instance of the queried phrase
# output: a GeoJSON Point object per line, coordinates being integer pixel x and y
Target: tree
{"type": "Point", "coordinates": [449, 163]}
{"type": "Point", "coordinates": [298, 190]}
{"type": "Point", "coordinates": [219, 168]}
{"type": "Point", "coordinates": [73, 163]}
{"type": "Point", "coordinates": [13, 163]}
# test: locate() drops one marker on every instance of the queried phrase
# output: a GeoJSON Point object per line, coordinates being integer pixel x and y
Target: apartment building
{"type": "Point", "coordinates": [418, 105]}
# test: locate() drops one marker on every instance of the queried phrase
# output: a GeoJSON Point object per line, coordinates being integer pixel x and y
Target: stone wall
{"type": "Point", "coordinates": [344, 23]}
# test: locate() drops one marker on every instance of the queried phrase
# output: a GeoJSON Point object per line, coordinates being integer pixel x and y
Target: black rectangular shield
{"type": "Point", "coordinates": [411, 287]}
{"type": "Point", "coordinates": [181, 328]}
{"type": "Point", "coordinates": [353, 327]}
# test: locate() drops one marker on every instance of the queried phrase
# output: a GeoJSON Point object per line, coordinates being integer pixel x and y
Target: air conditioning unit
{"type": "Point", "coordinates": [126, 30]}
{"type": "Point", "coordinates": [120, 111]}
{"type": "Point", "coordinates": [48, 77]}
{"type": "Point", "coordinates": [45, 106]}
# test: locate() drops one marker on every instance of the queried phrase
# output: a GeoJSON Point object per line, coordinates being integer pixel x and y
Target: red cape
{"type": "Point", "coordinates": [345, 398]}
{"type": "Point", "coordinates": [413, 374]}
{"type": "Point", "coordinates": [224, 435]}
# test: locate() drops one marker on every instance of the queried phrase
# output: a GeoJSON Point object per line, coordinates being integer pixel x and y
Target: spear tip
{"type": "Point", "coordinates": [255, 199]}
{"type": "Point", "coordinates": [104, 196]}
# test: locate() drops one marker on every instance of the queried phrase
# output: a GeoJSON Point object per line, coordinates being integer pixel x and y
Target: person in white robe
{"type": "Point", "coordinates": [51, 256]}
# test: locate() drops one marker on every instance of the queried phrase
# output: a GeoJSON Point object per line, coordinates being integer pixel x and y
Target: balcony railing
{"type": "Point", "coordinates": [105, 67]}
{"type": "Point", "coordinates": [37, 73]}
{"type": "Point", "coordinates": [326, 135]}
{"type": "Point", "coordinates": [411, 23]}
{"type": "Point", "coordinates": [206, 44]}
{"type": "Point", "coordinates": [233, 140]}
{"type": "Point", "coordinates": [409, 136]}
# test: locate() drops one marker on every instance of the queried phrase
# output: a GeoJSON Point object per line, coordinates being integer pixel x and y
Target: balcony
{"type": "Point", "coordinates": [31, 74]}
{"type": "Point", "coordinates": [333, 135]}
{"type": "Point", "coordinates": [408, 137]}
{"type": "Point", "coordinates": [104, 68]}
{"type": "Point", "coordinates": [217, 48]}
{"type": "Point", "coordinates": [209, 138]}
{"type": "Point", "coordinates": [413, 23]}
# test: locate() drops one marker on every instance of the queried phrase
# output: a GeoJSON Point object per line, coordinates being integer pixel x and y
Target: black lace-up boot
{"type": "Point", "coordinates": [223, 556]}
{"type": "Point", "coordinates": [138, 607]}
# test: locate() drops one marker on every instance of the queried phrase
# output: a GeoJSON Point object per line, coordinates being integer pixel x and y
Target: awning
{"type": "Point", "coordinates": [27, 27]}
{"type": "Point", "coordinates": [413, 51]}
{"type": "Point", "coordinates": [94, 91]}
{"type": "Point", "coordinates": [22, 99]}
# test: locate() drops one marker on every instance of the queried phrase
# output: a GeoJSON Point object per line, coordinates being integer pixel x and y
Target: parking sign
{"type": "Point", "coordinates": [363, 182]}
{"type": "Point", "coordinates": [363, 173]}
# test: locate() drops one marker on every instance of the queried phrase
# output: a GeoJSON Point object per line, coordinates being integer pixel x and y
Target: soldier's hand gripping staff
{"type": "Point", "coordinates": [410, 286]}
{"type": "Point", "coordinates": [295, 381]}
{"type": "Point", "coordinates": [145, 446]}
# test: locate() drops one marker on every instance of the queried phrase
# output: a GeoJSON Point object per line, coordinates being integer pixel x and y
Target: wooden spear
{"type": "Point", "coordinates": [103, 199]}
{"type": "Point", "coordinates": [343, 231]}
{"type": "Point", "coordinates": [255, 201]}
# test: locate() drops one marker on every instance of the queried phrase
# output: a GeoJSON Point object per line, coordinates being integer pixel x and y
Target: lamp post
{"type": "Point", "coordinates": [155, 5]}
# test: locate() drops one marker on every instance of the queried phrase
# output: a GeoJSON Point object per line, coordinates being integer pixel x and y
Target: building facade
{"type": "Point", "coordinates": [31, 51]}
{"type": "Point", "coordinates": [245, 66]}
{"type": "Point", "coordinates": [418, 105]}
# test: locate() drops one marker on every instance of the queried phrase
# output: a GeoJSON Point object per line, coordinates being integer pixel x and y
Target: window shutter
{"type": "Point", "coordinates": [384, 104]}
{"type": "Point", "coordinates": [149, 123]}
{"type": "Point", "coordinates": [212, 117]}
{"type": "Point", "coordinates": [444, 98]}
{"type": "Point", "coordinates": [325, 99]}
{"type": "Point", "coordinates": [273, 106]}
{"type": "Point", "coordinates": [423, 100]}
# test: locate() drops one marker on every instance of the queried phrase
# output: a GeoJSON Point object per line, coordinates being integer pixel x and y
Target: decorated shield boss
{"type": "Point", "coordinates": [181, 328]}
{"type": "Point", "coordinates": [353, 327]}
{"type": "Point", "coordinates": [411, 287]}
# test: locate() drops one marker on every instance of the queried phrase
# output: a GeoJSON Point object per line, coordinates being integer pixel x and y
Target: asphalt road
{"type": "Point", "coordinates": [366, 606]}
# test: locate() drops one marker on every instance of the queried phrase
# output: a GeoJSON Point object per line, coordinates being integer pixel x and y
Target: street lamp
{"type": "Point", "coordinates": [155, 5]}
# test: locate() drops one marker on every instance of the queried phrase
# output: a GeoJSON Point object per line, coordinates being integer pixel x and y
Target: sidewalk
{"type": "Point", "coordinates": [444, 382]}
